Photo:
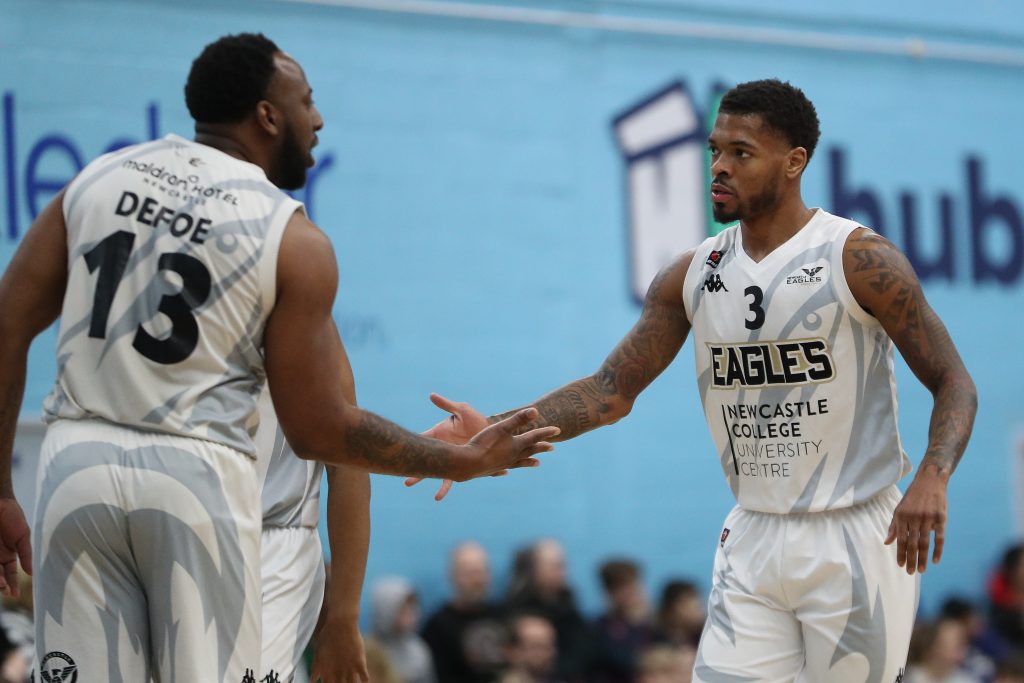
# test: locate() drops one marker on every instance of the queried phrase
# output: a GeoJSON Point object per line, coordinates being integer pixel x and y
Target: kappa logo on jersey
{"type": "Point", "coordinates": [714, 258]}
{"type": "Point", "coordinates": [271, 677]}
{"type": "Point", "coordinates": [714, 283]}
{"type": "Point", "coordinates": [725, 535]}
{"type": "Point", "coordinates": [808, 275]}
{"type": "Point", "coordinates": [899, 676]}
{"type": "Point", "coordinates": [773, 363]}
{"type": "Point", "coordinates": [249, 677]}
{"type": "Point", "coordinates": [58, 667]}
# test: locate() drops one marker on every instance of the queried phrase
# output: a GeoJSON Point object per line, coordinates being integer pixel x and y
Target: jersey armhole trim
{"type": "Point", "coordinates": [271, 249]}
{"type": "Point", "coordinates": [842, 285]}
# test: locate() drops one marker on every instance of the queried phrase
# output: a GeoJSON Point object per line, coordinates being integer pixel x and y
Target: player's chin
{"type": "Point", "coordinates": [723, 213]}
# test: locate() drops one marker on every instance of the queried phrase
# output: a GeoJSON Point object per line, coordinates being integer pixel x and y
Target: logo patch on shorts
{"type": "Point", "coordinates": [725, 535]}
{"type": "Point", "coordinates": [58, 667]}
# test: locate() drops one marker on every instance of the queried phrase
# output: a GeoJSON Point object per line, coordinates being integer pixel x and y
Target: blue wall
{"type": "Point", "coordinates": [473, 184]}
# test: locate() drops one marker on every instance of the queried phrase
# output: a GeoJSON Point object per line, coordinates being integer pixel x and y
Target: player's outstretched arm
{"type": "Point", "coordinates": [304, 358]}
{"type": "Point", "coordinates": [31, 294]}
{"type": "Point", "coordinates": [608, 395]}
{"type": "Point", "coordinates": [884, 283]}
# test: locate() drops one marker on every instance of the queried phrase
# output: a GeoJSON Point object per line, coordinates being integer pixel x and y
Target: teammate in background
{"type": "Point", "coordinates": [292, 562]}
{"type": "Point", "coordinates": [183, 275]}
{"type": "Point", "coordinates": [794, 313]}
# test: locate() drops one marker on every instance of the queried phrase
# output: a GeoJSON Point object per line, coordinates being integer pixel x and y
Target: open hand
{"type": "Point", "coordinates": [463, 424]}
{"type": "Point", "coordinates": [921, 513]}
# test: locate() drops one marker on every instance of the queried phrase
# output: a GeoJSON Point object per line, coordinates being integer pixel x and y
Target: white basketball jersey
{"type": "Point", "coordinates": [795, 377]}
{"type": "Point", "coordinates": [172, 258]}
{"type": "Point", "coordinates": [291, 485]}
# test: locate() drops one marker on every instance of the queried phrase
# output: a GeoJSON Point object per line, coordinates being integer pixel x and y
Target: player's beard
{"type": "Point", "coordinates": [291, 161]}
{"type": "Point", "coordinates": [758, 204]}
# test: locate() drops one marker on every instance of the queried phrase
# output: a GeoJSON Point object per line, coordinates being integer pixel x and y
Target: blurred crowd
{"type": "Point", "coordinates": [536, 633]}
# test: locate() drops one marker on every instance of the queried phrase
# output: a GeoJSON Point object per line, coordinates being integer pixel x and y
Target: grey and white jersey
{"type": "Point", "coordinates": [291, 485]}
{"type": "Point", "coordinates": [795, 377]}
{"type": "Point", "coordinates": [172, 257]}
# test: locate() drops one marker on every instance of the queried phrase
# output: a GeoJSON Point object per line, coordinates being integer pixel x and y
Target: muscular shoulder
{"type": "Point", "coordinates": [306, 261]}
{"type": "Point", "coordinates": [876, 270]}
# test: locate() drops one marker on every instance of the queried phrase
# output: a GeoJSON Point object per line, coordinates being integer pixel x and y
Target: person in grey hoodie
{"type": "Point", "coordinates": [395, 625]}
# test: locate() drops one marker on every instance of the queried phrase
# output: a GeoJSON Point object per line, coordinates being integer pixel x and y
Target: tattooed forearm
{"type": "Point", "coordinates": [382, 446]}
{"type": "Point", "coordinates": [951, 425]}
{"type": "Point", "coordinates": [608, 395]}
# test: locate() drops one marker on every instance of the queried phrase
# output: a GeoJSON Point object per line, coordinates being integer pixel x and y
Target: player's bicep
{"type": "Point", "coordinates": [883, 282]}
{"type": "Point", "coordinates": [304, 354]}
{"type": "Point", "coordinates": [32, 288]}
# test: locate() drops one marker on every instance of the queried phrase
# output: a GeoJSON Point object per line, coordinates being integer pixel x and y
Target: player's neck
{"type": "Point", "coordinates": [763, 233]}
{"type": "Point", "coordinates": [222, 138]}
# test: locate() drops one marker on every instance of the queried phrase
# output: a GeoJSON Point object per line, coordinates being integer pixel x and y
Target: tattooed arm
{"type": "Point", "coordinates": [305, 357]}
{"type": "Point", "coordinates": [607, 396]}
{"type": "Point", "coordinates": [883, 282]}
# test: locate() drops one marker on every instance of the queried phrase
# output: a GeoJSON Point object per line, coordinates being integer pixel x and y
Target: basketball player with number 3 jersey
{"type": "Point", "coordinates": [794, 313]}
{"type": "Point", "coordinates": [184, 276]}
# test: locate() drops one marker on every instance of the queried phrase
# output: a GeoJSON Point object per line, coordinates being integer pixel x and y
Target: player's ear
{"type": "Point", "coordinates": [268, 117]}
{"type": "Point", "coordinates": [796, 161]}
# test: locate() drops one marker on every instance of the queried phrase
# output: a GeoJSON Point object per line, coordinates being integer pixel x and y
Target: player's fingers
{"type": "Point", "coordinates": [891, 536]}
{"type": "Point", "coordinates": [25, 554]}
{"type": "Point", "coordinates": [515, 422]}
{"type": "Point", "coordinates": [446, 486]}
{"type": "Point", "coordinates": [444, 403]}
{"type": "Point", "coordinates": [11, 577]}
{"type": "Point", "coordinates": [940, 542]}
{"type": "Point", "coordinates": [923, 542]}
{"type": "Point", "coordinates": [503, 473]}
{"type": "Point", "coordinates": [525, 462]}
{"type": "Point", "coordinates": [901, 545]}
{"type": "Point", "coordinates": [535, 436]}
{"type": "Point", "coordinates": [412, 481]}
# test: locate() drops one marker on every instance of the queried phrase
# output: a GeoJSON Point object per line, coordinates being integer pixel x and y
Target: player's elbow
{"type": "Point", "coordinates": [617, 408]}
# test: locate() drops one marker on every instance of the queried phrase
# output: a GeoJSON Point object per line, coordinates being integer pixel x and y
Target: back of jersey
{"type": "Point", "coordinates": [172, 257]}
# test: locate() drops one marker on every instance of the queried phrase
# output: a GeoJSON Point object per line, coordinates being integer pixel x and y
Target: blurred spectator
{"type": "Point", "coordinates": [1010, 670]}
{"type": "Point", "coordinates": [539, 586]}
{"type": "Point", "coordinates": [466, 635]}
{"type": "Point", "coordinates": [667, 664]}
{"type": "Point", "coordinates": [681, 614]}
{"type": "Point", "coordinates": [937, 650]}
{"type": "Point", "coordinates": [985, 647]}
{"type": "Point", "coordinates": [1006, 595]}
{"type": "Point", "coordinates": [532, 650]}
{"type": "Point", "coordinates": [625, 629]}
{"type": "Point", "coordinates": [396, 615]}
{"type": "Point", "coordinates": [378, 665]}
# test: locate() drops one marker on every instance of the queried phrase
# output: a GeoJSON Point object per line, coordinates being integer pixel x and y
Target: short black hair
{"type": "Point", "coordinates": [618, 573]}
{"type": "Point", "coordinates": [783, 107]}
{"type": "Point", "coordinates": [230, 77]}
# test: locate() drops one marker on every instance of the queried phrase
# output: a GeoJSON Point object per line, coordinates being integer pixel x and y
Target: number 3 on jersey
{"type": "Point", "coordinates": [110, 256]}
{"type": "Point", "coordinates": [755, 308]}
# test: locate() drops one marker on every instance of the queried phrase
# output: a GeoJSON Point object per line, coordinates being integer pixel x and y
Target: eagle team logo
{"type": "Point", "coordinates": [808, 275]}
{"type": "Point", "coordinates": [714, 258]}
{"type": "Point", "coordinates": [58, 667]}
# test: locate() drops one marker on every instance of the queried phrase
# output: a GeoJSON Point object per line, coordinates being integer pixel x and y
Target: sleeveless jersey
{"type": "Point", "coordinates": [291, 485]}
{"type": "Point", "coordinates": [172, 258]}
{"type": "Point", "coordinates": [795, 377]}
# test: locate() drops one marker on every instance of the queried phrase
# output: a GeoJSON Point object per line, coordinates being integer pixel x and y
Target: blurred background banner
{"type": "Point", "coordinates": [501, 180]}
